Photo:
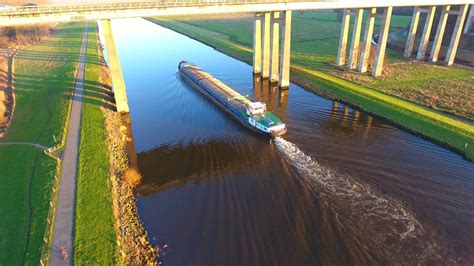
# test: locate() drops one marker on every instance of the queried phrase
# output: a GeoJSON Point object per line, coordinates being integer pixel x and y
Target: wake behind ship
{"type": "Point", "coordinates": [250, 114]}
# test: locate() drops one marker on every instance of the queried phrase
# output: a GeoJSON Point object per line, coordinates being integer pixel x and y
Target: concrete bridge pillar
{"type": "Point", "coordinates": [257, 44]}
{"type": "Point", "coordinates": [469, 20]}
{"type": "Point", "coordinates": [439, 34]}
{"type": "Point", "coordinates": [382, 42]}
{"type": "Point", "coordinates": [341, 53]}
{"type": "Point", "coordinates": [354, 50]}
{"type": "Point", "coordinates": [453, 44]}
{"type": "Point", "coordinates": [369, 30]}
{"type": "Point", "coordinates": [426, 33]}
{"type": "Point", "coordinates": [118, 83]}
{"type": "Point", "coordinates": [266, 45]}
{"type": "Point", "coordinates": [285, 50]}
{"type": "Point", "coordinates": [412, 32]}
{"type": "Point", "coordinates": [275, 49]}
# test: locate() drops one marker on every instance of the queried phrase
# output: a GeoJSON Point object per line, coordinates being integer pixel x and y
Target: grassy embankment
{"type": "Point", "coordinates": [108, 230]}
{"type": "Point", "coordinates": [314, 49]}
{"type": "Point", "coordinates": [95, 238]}
{"type": "Point", "coordinates": [44, 76]}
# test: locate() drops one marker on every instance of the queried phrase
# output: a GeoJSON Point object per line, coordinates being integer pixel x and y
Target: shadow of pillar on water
{"type": "Point", "coordinates": [334, 111]}
{"type": "Point", "coordinates": [367, 127]}
{"type": "Point", "coordinates": [345, 116]}
{"type": "Point", "coordinates": [355, 119]}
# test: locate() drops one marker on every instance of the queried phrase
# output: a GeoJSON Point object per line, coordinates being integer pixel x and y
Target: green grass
{"type": "Point", "coordinates": [444, 88]}
{"type": "Point", "coordinates": [23, 169]}
{"type": "Point", "coordinates": [42, 87]}
{"type": "Point", "coordinates": [44, 77]}
{"type": "Point", "coordinates": [416, 118]}
{"type": "Point", "coordinates": [95, 239]}
{"type": "Point", "coordinates": [315, 43]}
{"type": "Point", "coordinates": [315, 68]}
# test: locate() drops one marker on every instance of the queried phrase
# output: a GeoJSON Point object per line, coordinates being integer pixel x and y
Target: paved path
{"type": "Point", "coordinates": [63, 233]}
{"type": "Point", "coordinates": [37, 145]}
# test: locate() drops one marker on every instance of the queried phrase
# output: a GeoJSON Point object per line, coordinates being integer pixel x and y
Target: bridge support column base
{"type": "Point", "coordinates": [274, 81]}
{"type": "Point", "coordinates": [122, 107]}
{"type": "Point", "coordinates": [354, 51]}
{"type": "Point", "coordinates": [367, 45]}
{"type": "Point", "coordinates": [342, 50]}
{"type": "Point", "coordinates": [439, 34]}
{"type": "Point", "coordinates": [453, 44]}
{"type": "Point", "coordinates": [412, 32]}
{"type": "Point", "coordinates": [382, 43]}
{"type": "Point", "coordinates": [426, 33]}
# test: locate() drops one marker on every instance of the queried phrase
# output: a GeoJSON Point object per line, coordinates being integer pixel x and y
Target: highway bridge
{"type": "Point", "coordinates": [272, 28]}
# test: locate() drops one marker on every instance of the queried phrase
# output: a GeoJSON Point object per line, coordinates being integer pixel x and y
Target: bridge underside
{"type": "Point", "coordinates": [80, 12]}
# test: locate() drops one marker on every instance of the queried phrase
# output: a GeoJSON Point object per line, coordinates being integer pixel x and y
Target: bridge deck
{"type": "Point", "coordinates": [166, 8]}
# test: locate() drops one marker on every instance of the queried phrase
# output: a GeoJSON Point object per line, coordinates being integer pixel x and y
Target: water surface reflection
{"type": "Point", "coordinates": [341, 187]}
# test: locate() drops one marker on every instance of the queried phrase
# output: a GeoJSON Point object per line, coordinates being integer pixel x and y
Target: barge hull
{"type": "Point", "coordinates": [235, 112]}
{"type": "Point", "coordinates": [231, 101]}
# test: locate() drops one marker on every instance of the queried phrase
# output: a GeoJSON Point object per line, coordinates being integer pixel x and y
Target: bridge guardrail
{"type": "Point", "coordinates": [11, 12]}
{"type": "Point", "coordinates": [40, 9]}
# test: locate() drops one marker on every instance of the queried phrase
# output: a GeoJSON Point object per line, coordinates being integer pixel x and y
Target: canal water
{"type": "Point", "coordinates": [340, 187]}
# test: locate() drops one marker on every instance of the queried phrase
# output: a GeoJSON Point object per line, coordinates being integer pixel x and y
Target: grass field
{"type": "Point", "coordinates": [25, 191]}
{"type": "Point", "coordinates": [312, 60]}
{"type": "Point", "coordinates": [44, 76]}
{"type": "Point", "coordinates": [315, 43]}
{"type": "Point", "coordinates": [43, 81]}
{"type": "Point", "coordinates": [95, 239]}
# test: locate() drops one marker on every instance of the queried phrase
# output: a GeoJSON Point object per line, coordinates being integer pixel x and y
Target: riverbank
{"type": "Point", "coordinates": [115, 234]}
{"type": "Point", "coordinates": [134, 245]}
{"type": "Point", "coordinates": [43, 83]}
{"type": "Point", "coordinates": [441, 128]}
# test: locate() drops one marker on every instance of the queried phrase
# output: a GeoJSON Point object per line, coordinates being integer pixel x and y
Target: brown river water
{"type": "Point", "coordinates": [341, 187]}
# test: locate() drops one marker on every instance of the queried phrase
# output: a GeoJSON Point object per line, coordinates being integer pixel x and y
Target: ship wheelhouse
{"type": "Point", "coordinates": [256, 108]}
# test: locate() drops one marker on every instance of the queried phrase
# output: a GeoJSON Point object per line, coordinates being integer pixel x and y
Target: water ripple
{"type": "Point", "coordinates": [382, 223]}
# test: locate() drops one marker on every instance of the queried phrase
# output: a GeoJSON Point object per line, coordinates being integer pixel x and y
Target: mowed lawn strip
{"type": "Point", "coordinates": [414, 117]}
{"type": "Point", "coordinates": [43, 74]}
{"type": "Point", "coordinates": [44, 78]}
{"type": "Point", "coordinates": [95, 239]}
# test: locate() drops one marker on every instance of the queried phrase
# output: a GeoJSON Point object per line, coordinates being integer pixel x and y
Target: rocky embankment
{"type": "Point", "coordinates": [134, 246]}
{"type": "Point", "coordinates": [133, 243]}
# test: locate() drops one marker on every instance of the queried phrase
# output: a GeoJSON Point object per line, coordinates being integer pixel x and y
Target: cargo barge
{"type": "Point", "coordinates": [253, 115]}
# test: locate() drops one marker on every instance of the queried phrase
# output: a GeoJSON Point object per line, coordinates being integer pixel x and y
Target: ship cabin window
{"type": "Point", "coordinates": [256, 108]}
